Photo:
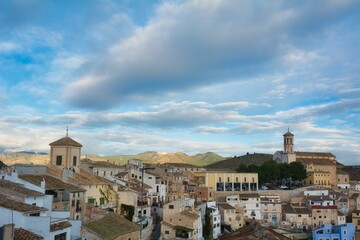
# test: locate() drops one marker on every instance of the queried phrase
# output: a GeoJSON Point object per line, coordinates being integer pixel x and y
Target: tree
{"type": "Point", "coordinates": [269, 171]}
{"type": "Point", "coordinates": [252, 168]}
{"type": "Point", "coordinates": [208, 227]}
{"type": "Point", "coordinates": [297, 171]}
{"type": "Point", "coordinates": [242, 168]}
{"type": "Point", "coordinates": [127, 211]}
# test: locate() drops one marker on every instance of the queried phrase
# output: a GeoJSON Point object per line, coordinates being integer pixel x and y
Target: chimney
{"type": "Point", "coordinates": [43, 183]}
{"type": "Point", "coordinates": [7, 232]}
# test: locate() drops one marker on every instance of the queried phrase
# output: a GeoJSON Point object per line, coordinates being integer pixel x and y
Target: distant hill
{"type": "Point", "coordinates": [233, 163]}
{"type": "Point", "coordinates": [167, 157]}
{"type": "Point", "coordinates": [148, 157]}
{"type": "Point", "coordinates": [24, 157]}
{"type": "Point", "coordinates": [353, 171]}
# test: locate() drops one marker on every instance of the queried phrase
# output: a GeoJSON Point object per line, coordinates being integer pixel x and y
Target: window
{"type": "Point", "coordinates": [58, 160]}
{"type": "Point", "coordinates": [74, 160]}
{"type": "Point", "coordinates": [61, 236]}
{"type": "Point", "coordinates": [167, 232]}
{"type": "Point", "coordinates": [171, 206]}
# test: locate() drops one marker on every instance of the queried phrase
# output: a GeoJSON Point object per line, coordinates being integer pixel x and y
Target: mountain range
{"type": "Point", "coordinates": [200, 159]}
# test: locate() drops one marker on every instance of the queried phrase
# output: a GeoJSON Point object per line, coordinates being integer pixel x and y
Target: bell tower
{"type": "Point", "coordinates": [288, 142]}
{"type": "Point", "coordinates": [65, 153]}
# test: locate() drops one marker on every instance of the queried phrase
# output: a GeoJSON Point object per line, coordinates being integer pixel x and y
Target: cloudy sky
{"type": "Point", "coordinates": [223, 76]}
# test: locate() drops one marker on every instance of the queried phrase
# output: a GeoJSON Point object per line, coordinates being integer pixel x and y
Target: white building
{"type": "Point", "coordinates": [32, 210]}
{"type": "Point", "coordinates": [215, 217]}
{"type": "Point", "coordinates": [251, 205]}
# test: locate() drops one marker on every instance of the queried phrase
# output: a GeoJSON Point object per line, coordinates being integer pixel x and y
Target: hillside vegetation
{"type": "Point", "coordinates": [233, 163]}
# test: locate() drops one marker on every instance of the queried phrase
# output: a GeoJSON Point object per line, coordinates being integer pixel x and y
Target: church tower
{"type": "Point", "coordinates": [288, 142]}
{"type": "Point", "coordinates": [65, 153]}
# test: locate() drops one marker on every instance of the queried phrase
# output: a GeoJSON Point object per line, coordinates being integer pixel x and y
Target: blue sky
{"type": "Point", "coordinates": [192, 76]}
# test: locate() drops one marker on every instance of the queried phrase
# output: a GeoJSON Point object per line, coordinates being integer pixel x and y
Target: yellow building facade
{"type": "Point", "coordinates": [320, 178]}
{"type": "Point", "coordinates": [230, 182]}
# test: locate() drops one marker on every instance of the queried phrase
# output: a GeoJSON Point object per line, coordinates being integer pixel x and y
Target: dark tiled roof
{"type": "Point", "coordinates": [121, 174]}
{"type": "Point", "coordinates": [190, 214]}
{"type": "Point", "coordinates": [182, 165]}
{"type": "Point", "coordinates": [51, 183]}
{"type": "Point", "coordinates": [318, 198]}
{"type": "Point", "coordinates": [249, 195]}
{"type": "Point", "coordinates": [19, 206]}
{"type": "Point", "coordinates": [112, 226]}
{"type": "Point", "coordinates": [65, 141]}
{"type": "Point", "coordinates": [85, 178]}
{"type": "Point", "coordinates": [295, 209]}
{"type": "Point", "coordinates": [225, 206]}
{"type": "Point", "coordinates": [100, 163]}
{"type": "Point", "coordinates": [317, 161]}
{"type": "Point", "coordinates": [59, 226]}
{"type": "Point", "coordinates": [314, 154]}
{"type": "Point", "coordinates": [18, 188]}
{"type": "Point", "coordinates": [23, 234]}
{"type": "Point", "coordinates": [288, 134]}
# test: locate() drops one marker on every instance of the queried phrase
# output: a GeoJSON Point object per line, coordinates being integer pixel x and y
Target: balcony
{"type": "Point", "coordinates": [60, 206]}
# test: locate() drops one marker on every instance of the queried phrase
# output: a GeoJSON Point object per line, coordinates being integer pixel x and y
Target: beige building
{"type": "Point", "coordinates": [356, 219]}
{"type": "Point", "coordinates": [229, 182]}
{"type": "Point", "coordinates": [324, 214]}
{"type": "Point", "coordinates": [321, 163]}
{"type": "Point", "coordinates": [320, 166]}
{"type": "Point", "coordinates": [181, 220]}
{"type": "Point", "coordinates": [342, 177]}
{"type": "Point", "coordinates": [270, 209]}
{"type": "Point", "coordinates": [65, 156]}
{"type": "Point", "coordinates": [65, 153]}
{"type": "Point", "coordinates": [297, 215]}
{"type": "Point", "coordinates": [233, 216]}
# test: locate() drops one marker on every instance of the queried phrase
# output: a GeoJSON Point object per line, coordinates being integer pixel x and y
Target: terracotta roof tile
{"type": "Point", "coordinates": [19, 206]}
{"type": "Point", "coordinates": [225, 206]}
{"type": "Point", "coordinates": [100, 163]}
{"type": "Point", "coordinates": [51, 183]}
{"type": "Point", "coordinates": [317, 161]}
{"type": "Point", "coordinates": [24, 234]}
{"type": "Point", "coordinates": [111, 226]}
{"type": "Point", "coordinates": [65, 141]}
{"type": "Point", "coordinates": [18, 188]}
{"type": "Point", "coordinates": [59, 226]}
{"type": "Point", "coordinates": [315, 154]}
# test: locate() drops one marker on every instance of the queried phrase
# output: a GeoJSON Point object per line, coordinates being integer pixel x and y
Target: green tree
{"type": "Point", "coordinates": [242, 168]}
{"type": "Point", "coordinates": [252, 168]}
{"type": "Point", "coordinates": [208, 227]}
{"type": "Point", "coordinates": [269, 171]}
{"type": "Point", "coordinates": [297, 171]}
{"type": "Point", "coordinates": [127, 211]}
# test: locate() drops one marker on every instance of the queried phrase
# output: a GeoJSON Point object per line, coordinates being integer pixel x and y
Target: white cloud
{"type": "Point", "coordinates": [7, 47]}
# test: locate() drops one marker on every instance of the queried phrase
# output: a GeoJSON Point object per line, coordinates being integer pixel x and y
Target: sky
{"type": "Point", "coordinates": [228, 77]}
